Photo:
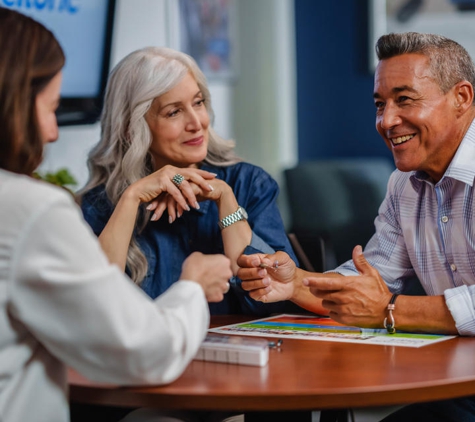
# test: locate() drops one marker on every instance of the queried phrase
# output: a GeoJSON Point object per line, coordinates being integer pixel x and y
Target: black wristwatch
{"type": "Point", "coordinates": [238, 215]}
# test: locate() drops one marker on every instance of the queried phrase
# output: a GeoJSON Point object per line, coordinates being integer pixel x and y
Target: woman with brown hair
{"type": "Point", "coordinates": [61, 302]}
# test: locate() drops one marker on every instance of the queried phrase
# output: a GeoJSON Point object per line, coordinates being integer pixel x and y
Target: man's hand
{"type": "Point", "coordinates": [274, 282]}
{"type": "Point", "coordinates": [354, 300]}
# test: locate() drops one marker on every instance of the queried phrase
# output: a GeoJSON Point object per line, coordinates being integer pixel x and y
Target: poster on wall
{"type": "Point", "coordinates": [206, 30]}
{"type": "Point", "coordinates": [454, 19]}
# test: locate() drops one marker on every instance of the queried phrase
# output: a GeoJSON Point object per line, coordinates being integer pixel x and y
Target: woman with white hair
{"type": "Point", "coordinates": [157, 134]}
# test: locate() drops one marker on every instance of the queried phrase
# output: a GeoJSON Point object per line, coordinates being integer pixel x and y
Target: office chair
{"type": "Point", "coordinates": [336, 200]}
{"type": "Point", "coordinates": [317, 262]}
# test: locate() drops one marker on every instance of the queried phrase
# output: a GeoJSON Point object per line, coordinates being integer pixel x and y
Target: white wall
{"type": "Point", "coordinates": [265, 111]}
{"type": "Point", "coordinates": [257, 109]}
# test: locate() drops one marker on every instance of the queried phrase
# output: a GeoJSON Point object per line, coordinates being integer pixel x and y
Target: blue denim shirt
{"type": "Point", "coordinates": [166, 245]}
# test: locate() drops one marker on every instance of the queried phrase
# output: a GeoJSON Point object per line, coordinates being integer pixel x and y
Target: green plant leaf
{"type": "Point", "coordinates": [61, 178]}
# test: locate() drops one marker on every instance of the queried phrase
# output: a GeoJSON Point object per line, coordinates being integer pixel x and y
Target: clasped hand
{"type": "Point", "coordinates": [160, 193]}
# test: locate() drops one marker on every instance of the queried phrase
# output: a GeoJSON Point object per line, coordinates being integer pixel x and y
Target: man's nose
{"type": "Point", "coordinates": [390, 116]}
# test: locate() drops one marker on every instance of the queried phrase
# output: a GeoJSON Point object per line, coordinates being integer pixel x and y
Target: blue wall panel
{"type": "Point", "coordinates": [336, 113]}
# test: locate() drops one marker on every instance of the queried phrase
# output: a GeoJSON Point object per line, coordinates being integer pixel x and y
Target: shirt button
{"type": "Point", "coordinates": [453, 267]}
{"type": "Point", "coordinates": [445, 219]}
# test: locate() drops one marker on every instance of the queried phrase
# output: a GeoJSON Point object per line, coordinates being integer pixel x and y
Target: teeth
{"type": "Point", "coordinates": [401, 139]}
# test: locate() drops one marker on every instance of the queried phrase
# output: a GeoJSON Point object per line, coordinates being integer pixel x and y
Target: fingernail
{"type": "Point", "coordinates": [305, 282]}
{"type": "Point", "coordinates": [187, 208]}
{"type": "Point", "coordinates": [255, 262]}
{"type": "Point", "coordinates": [154, 217]}
{"type": "Point", "coordinates": [214, 174]}
{"type": "Point", "coordinates": [262, 273]}
{"type": "Point", "coordinates": [178, 215]}
{"type": "Point", "coordinates": [266, 281]}
{"type": "Point", "coordinates": [211, 188]}
{"type": "Point", "coordinates": [170, 219]}
{"type": "Point", "coordinates": [149, 207]}
{"type": "Point", "coordinates": [197, 206]}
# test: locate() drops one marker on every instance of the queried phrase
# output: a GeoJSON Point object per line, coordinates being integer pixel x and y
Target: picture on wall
{"type": "Point", "coordinates": [206, 31]}
{"type": "Point", "coordinates": [454, 19]}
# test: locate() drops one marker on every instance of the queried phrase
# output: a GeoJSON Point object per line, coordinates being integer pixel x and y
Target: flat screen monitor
{"type": "Point", "coordinates": [84, 30]}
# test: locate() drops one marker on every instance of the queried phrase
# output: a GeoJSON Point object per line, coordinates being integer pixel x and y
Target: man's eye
{"type": "Point", "coordinates": [379, 104]}
{"type": "Point", "coordinates": [403, 99]}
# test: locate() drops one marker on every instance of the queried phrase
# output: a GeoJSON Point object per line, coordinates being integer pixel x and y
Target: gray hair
{"type": "Point", "coordinates": [449, 62]}
{"type": "Point", "coordinates": [122, 155]}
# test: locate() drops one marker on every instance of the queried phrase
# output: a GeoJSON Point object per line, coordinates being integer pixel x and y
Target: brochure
{"type": "Point", "coordinates": [310, 327]}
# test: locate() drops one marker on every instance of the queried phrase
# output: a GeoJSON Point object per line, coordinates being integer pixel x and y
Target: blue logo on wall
{"type": "Point", "coordinates": [67, 6]}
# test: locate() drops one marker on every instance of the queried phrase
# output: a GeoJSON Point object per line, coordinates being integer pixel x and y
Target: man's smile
{"type": "Point", "coordinates": [401, 139]}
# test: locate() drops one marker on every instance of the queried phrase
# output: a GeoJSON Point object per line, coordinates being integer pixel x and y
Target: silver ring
{"type": "Point", "coordinates": [227, 288]}
{"type": "Point", "coordinates": [178, 179]}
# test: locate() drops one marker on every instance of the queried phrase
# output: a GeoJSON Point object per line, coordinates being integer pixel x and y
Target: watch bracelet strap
{"type": "Point", "coordinates": [231, 219]}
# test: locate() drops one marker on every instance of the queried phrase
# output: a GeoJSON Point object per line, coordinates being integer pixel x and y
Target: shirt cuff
{"type": "Point", "coordinates": [258, 246]}
{"type": "Point", "coordinates": [460, 301]}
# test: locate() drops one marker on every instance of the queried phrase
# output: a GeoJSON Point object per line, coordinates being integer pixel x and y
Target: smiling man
{"type": "Point", "coordinates": [424, 98]}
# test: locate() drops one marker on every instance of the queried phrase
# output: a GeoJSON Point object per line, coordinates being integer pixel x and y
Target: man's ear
{"type": "Point", "coordinates": [463, 96]}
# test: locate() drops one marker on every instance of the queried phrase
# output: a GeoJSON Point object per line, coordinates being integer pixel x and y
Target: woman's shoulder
{"type": "Point", "coordinates": [95, 197]}
{"type": "Point", "coordinates": [95, 192]}
{"type": "Point", "coordinates": [248, 179]}
{"type": "Point", "coordinates": [29, 190]}
{"type": "Point", "coordinates": [243, 169]}
{"type": "Point", "coordinates": [25, 195]}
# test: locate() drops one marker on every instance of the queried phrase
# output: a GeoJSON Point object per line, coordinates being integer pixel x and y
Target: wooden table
{"type": "Point", "coordinates": [306, 375]}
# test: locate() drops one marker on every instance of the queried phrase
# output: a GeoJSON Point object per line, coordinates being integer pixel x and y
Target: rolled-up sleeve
{"type": "Point", "coordinates": [461, 304]}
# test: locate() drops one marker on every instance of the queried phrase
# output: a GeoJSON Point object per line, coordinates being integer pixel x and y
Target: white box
{"type": "Point", "coordinates": [234, 349]}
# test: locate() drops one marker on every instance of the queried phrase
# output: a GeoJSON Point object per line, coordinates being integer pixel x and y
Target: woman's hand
{"type": "Point", "coordinates": [211, 272]}
{"type": "Point", "coordinates": [115, 238]}
{"type": "Point", "coordinates": [162, 193]}
{"type": "Point", "coordinates": [219, 191]}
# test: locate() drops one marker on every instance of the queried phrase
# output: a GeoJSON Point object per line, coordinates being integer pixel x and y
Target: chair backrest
{"type": "Point", "coordinates": [338, 200]}
{"type": "Point", "coordinates": [316, 261]}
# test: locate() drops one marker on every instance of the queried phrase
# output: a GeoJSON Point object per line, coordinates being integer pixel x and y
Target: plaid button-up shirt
{"type": "Point", "coordinates": [427, 230]}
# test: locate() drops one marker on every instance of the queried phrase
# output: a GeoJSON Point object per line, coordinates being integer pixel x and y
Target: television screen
{"type": "Point", "coordinates": [84, 30]}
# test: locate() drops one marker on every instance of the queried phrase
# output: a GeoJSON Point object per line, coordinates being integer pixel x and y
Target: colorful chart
{"type": "Point", "coordinates": [323, 328]}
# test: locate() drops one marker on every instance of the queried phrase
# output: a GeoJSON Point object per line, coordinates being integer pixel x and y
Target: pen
{"type": "Point", "coordinates": [273, 344]}
{"type": "Point", "coordinates": [275, 266]}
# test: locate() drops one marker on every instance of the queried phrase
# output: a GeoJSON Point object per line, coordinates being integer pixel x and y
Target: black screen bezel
{"type": "Point", "coordinates": [87, 110]}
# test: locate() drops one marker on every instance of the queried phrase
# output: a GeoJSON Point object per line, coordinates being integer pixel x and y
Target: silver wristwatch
{"type": "Point", "coordinates": [238, 215]}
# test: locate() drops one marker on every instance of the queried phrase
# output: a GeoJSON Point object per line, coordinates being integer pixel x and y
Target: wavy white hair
{"type": "Point", "coordinates": [122, 155]}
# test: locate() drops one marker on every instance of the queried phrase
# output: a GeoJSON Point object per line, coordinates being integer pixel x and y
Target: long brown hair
{"type": "Point", "coordinates": [30, 56]}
